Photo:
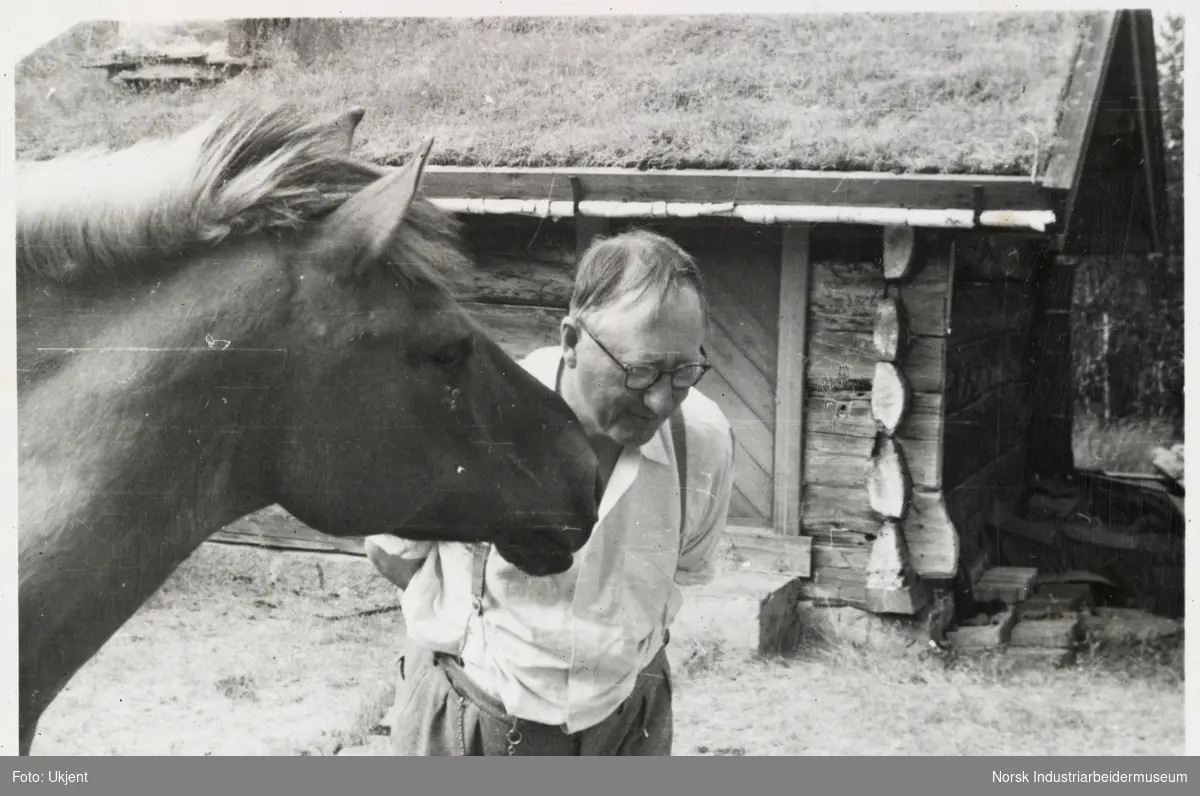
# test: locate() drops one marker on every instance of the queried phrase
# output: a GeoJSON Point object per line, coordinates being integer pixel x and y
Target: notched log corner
{"type": "Point", "coordinates": [890, 397]}
{"type": "Point", "coordinates": [899, 251]}
{"type": "Point", "coordinates": [889, 484]}
{"type": "Point", "coordinates": [892, 586]}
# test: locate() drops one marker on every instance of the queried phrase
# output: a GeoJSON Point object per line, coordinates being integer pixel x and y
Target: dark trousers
{"type": "Point", "coordinates": [439, 711]}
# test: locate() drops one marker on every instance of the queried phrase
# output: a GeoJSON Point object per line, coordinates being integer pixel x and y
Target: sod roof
{"type": "Point", "coordinates": [976, 93]}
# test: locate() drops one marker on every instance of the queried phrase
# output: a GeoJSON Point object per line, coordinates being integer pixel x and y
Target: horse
{"type": "Point", "coordinates": [244, 315]}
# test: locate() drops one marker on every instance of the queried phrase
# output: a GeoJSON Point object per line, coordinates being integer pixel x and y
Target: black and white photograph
{"type": "Point", "coordinates": [600, 380]}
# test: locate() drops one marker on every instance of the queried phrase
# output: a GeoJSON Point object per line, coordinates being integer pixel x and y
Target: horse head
{"type": "Point", "coordinates": [402, 415]}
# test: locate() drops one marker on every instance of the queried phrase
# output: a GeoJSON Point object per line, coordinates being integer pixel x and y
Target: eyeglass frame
{"type": "Point", "coordinates": [704, 366]}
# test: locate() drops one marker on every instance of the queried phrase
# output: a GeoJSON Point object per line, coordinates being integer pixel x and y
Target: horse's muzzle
{"type": "Point", "coordinates": [539, 552]}
{"type": "Point", "coordinates": [537, 564]}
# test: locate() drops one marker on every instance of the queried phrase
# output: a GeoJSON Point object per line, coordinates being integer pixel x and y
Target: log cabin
{"type": "Point", "coordinates": [888, 245]}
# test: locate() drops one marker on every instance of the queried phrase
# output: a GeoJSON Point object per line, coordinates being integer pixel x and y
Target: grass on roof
{"type": "Point", "coordinates": [949, 93]}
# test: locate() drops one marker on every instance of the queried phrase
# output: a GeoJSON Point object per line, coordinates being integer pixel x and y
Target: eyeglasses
{"type": "Point", "coordinates": [643, 377]}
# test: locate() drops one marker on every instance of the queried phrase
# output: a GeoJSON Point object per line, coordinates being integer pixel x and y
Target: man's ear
{"type": "Point", "coordinates": [569, 338]}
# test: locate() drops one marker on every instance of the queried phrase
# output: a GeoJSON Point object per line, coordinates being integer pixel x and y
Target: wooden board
{"type": "Point", "coordinates": [994, 256]}
{"type": "Point", "coordinates": [742, 348]}
{"type": "Point", "coordinates": [841, 550]}
{"type": "Point", "coordinates": [790, 460]}
{"type": "Point", "coordinates": [984, 365]}
{"type": "Point", "coordinates": [984, 310]}
{"type": "Point", "coordinates": [860, 189]}
{"type": "Point", "coordinates": [999, 480]}
{"type": "Point", "coordinates": [977, 434]}
{"type": "Point", "coordinates": [751, 549]}
{"type": "Point", "coordinates": [740, 324]}
{"type": "Point", "coordinates": [1079, 111]}
{"type": "Point", "coordinates": [753, 437]}
{"type": "Point", "coordinates": [837, 587]}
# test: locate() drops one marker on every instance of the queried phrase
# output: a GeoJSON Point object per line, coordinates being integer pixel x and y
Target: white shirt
{"type": "Point", "coordinates": [566, 649]}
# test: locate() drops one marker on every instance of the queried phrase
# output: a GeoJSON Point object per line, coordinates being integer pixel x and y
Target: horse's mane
{"type": "Point", "coordinates": [257, 167]}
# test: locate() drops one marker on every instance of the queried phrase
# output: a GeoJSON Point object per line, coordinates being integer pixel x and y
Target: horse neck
{"type": "Point", "coordinates": [138, 445]}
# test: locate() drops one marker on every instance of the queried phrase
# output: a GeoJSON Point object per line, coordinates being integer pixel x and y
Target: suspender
{"type": "Point", "coordinates": [678, 436]}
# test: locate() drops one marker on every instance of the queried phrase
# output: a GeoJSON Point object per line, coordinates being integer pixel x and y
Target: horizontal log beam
{"type": "Point", "coordinates": [844, 460]}
{"type": "Point", "coordinates": [750, 549]}
{"type": "Point", "coordinates": [861, 189]}
{"type": "Point", "coordinates": [846, 296]}
{"type": "Point", "coordinates": [518, 330]}
{"type": "Point", "coordinates": [931, 536]}
{"type": "Point", "coordinates": [501, 279]}
{"type": "Point", "coordinates": [841, 361]}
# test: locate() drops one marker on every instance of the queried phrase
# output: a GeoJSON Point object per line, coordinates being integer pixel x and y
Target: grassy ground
{"type": "Point", "coordinates": [233, 660]}
{"type": "Point", "coordinates": [910, 92]}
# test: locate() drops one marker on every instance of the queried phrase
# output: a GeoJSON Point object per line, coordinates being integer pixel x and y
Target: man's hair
{"type": "Point", "coordinates": [631, 264]}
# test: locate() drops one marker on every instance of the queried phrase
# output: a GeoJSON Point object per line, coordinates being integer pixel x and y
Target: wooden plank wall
{"type": "Point", "coordinates": [739, 263]}
{"type": "Point", "coordinates": [989, 376]}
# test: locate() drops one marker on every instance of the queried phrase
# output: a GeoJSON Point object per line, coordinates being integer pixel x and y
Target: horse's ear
{"type": "Point", "coordinates": [344, 125]}
{"type": "Point", "coordinates": [361, 231]}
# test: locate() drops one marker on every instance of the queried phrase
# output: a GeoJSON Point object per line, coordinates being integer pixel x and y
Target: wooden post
{"type": "Point", "coordinates": [587, 229]}
{"type": "Point", "coordinates": [794, 276]}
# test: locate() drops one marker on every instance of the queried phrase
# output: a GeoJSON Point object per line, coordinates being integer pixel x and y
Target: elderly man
{"type": "Point", "coordinates": [575, 664]}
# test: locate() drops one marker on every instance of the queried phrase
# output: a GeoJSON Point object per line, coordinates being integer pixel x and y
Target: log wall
{"type": "Point", "coordinates": [865, 543]}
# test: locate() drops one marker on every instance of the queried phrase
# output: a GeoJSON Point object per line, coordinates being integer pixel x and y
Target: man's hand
{"type": "Point", "coordinates": [396, 559]}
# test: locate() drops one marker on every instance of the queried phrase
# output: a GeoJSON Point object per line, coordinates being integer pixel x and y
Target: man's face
{"type": "Point", "coordinates": [636, 334]}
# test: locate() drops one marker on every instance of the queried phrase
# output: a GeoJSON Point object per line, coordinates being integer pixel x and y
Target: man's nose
{"type": "Point", "coordinates": [660, 396]}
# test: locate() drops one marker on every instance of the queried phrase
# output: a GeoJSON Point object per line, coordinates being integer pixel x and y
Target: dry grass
{"type": "Point", "coordinates": [839, 701]}
{"type": "Point", "coordinates": [232, 659]}
{"type": "Point", "coordinates": [229, 659]}
{"type": "Point", "coordinates": [1123, 445]}
{"type": "Point", "coordinates": [911, 92]}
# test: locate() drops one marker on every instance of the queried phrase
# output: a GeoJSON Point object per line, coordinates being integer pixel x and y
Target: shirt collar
{"type": "Point", "coordinates": [544, 364]}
